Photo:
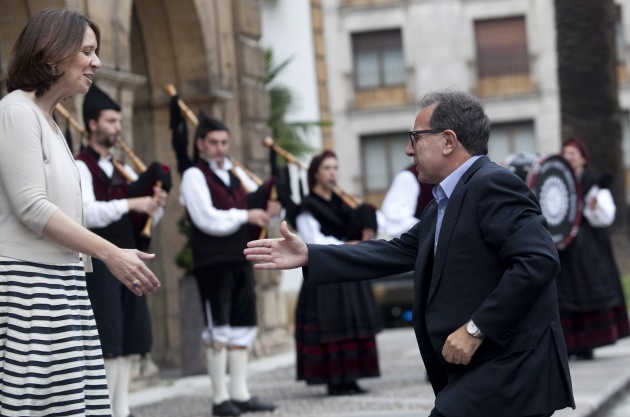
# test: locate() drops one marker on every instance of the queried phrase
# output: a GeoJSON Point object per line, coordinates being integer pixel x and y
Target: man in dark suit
{"type": "Point", "coordinates": [486, 310]}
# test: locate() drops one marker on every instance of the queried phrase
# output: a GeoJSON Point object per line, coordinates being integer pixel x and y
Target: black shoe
{"type": "Point", "coordinates": [254, 405]}
{"type": "Point", "coordinates": [354, 388]}
{"type": "Point", "coordinates": [226, 409]}
{"type": "Point", "coordinates": [339, 389]}
{"type": "Point", "coordinates": [583, 355]}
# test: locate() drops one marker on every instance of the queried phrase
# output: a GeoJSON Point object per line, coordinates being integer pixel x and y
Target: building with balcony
{"type": "Point", "coordinates": [384, 54]}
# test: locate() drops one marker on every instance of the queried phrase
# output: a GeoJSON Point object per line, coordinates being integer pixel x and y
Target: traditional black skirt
{"type": "Point", "coordinates": [587, 330]}
{"type": "Point", "coordinates": [336, 325]}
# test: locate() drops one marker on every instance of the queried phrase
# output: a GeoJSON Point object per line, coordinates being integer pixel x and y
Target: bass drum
{"type": "Point", "coordinates": [560, 195]}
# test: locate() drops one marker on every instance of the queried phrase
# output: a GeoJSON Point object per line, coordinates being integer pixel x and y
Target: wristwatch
{"type": "Point", "coordinates": [474, 331]}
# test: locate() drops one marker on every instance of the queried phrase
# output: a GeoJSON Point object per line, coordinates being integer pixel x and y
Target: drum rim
{"type": "Point", "coordinates": [532, 174]}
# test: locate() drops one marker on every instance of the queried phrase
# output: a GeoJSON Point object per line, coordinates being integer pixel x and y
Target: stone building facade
{"type": "Point", "coordinates": [209, 50]}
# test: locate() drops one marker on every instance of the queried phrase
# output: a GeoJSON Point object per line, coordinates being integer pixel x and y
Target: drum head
{"type": "Point", "coordinates": [552, 181]}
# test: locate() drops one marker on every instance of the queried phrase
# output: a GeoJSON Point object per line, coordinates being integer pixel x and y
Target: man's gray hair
{"type": "Point", "coordinates": [462, 113]}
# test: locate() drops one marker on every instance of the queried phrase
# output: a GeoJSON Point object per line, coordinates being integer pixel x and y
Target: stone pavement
{"type": "Point", "coordinates": [401, 391]}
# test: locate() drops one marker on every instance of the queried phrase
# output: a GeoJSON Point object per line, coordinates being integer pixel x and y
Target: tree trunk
{"type": "Point", "coordinates": [589, 104]}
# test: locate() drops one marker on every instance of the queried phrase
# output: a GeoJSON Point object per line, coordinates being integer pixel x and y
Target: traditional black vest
{"type": "Point", "coordinates": [426, 193]}
{"type": "Point", "coordinates": [208, 250]}
{"type": "Point", "coordinates": [119, 232]}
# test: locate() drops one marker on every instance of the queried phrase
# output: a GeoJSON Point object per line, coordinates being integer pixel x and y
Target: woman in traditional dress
{"type": "Point", "coordinates": [591, 299]}
{"type": "Point", "coordinates": [50, 357]}
{"type": "Point", "coordinates": [336, 324]}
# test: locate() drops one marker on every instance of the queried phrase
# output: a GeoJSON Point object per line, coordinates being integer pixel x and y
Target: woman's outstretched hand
{"type": "Point", "coordinates": [287, 252]}
{"type": "Point", "coordinates": [128, 266]}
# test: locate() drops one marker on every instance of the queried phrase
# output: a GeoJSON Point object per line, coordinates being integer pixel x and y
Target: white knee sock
{"type": "Point", "coordinates": [111, 372]}
{"type": "Point", "coordinates": [238, 374]}
{"type": "Point", "coordinates": [217, 368]}
{"type": "Point", "coordinates": [121, 402]}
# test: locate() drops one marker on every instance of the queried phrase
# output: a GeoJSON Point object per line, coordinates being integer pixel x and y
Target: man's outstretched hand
{"type": "Point", "coordinates": [287, 252]}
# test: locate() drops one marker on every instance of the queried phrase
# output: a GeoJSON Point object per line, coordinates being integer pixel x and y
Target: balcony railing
{"type": "Point", "coordinates": [368, 2]}
{"type": "Point", "coordinates": [503, 76]}
{"type": "Point", "coordinates": [396, 94]}
{"type": "Point", "coordinates": [502, 67]}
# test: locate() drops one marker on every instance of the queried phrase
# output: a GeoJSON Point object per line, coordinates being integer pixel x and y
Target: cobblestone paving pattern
{"type": "Point", "coordinates": [401, 390]}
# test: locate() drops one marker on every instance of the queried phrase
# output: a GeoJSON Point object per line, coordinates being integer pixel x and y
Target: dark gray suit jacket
{"type": "Point", "coordinates": [495, 263]}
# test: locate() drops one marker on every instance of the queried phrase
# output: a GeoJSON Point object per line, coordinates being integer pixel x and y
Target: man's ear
{"type": "Point", "coordinates": [198, 142]}
{"type": "Point", "coordinates": [92, 124]}
{"type": "Point", "coordinates": [450, 141]}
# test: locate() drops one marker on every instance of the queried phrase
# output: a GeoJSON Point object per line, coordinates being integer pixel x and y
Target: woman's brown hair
{"type": "Point", "coordinates": [51, 37]}
{"type": "Point", "coordinates": [314, 167]}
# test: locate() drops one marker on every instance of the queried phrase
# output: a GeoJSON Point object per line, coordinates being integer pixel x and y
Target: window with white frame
{"type": "Point", "coordinates": [619, 38]}
{"type": "Point", "coordinates": [383, 157]}
{"type": "Point", "coordinates": [378, 59]}
{"type": "Point", "coordinates": [510, 138]}
{"type": "Point", "coordinates": [501, 47]}
{"type": "Point", "coordinates": [625, 138]}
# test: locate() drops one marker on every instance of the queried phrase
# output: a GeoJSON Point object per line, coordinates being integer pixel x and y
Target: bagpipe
{"type": "Point", "coordinates": [155, 174]}
{"type": "Point", "coordinates": [350, 200]}
{"type": "Point", "coordinates": [266, 191]}
{"type": "Point", "coordinates": [278, 187]}
{"type": "Point", "coordinates": [361, 217]}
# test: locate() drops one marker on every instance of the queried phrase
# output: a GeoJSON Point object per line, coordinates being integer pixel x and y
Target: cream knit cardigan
{"type": "Point", "coordinates": [37, 177]}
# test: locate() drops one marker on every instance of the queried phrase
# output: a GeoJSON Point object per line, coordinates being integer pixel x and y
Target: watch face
{"type": "Point", "coordinates": [474, 331]}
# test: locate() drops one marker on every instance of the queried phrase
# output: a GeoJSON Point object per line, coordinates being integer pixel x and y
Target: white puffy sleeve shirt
{"type": "Point", "coordinates": [195, 196]}
{"type": "Point", "coordinates": [103, 213]}
{"type": "Point", "coordinates": [399, 205]}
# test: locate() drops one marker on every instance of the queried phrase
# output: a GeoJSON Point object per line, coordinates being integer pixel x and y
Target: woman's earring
{"type": "Point", "coordinates": [54, 70]}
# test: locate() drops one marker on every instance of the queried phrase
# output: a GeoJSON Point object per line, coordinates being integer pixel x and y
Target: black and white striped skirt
{"type": "Point", "coordinates": [50, 355]}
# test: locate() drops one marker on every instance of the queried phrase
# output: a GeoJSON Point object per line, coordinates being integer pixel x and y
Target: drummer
{"type": "Point", "coordinates": [592, 305]}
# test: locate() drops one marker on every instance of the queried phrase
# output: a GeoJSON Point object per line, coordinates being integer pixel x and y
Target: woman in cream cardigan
{"type": "Point", "coordinates": [50, 355]}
